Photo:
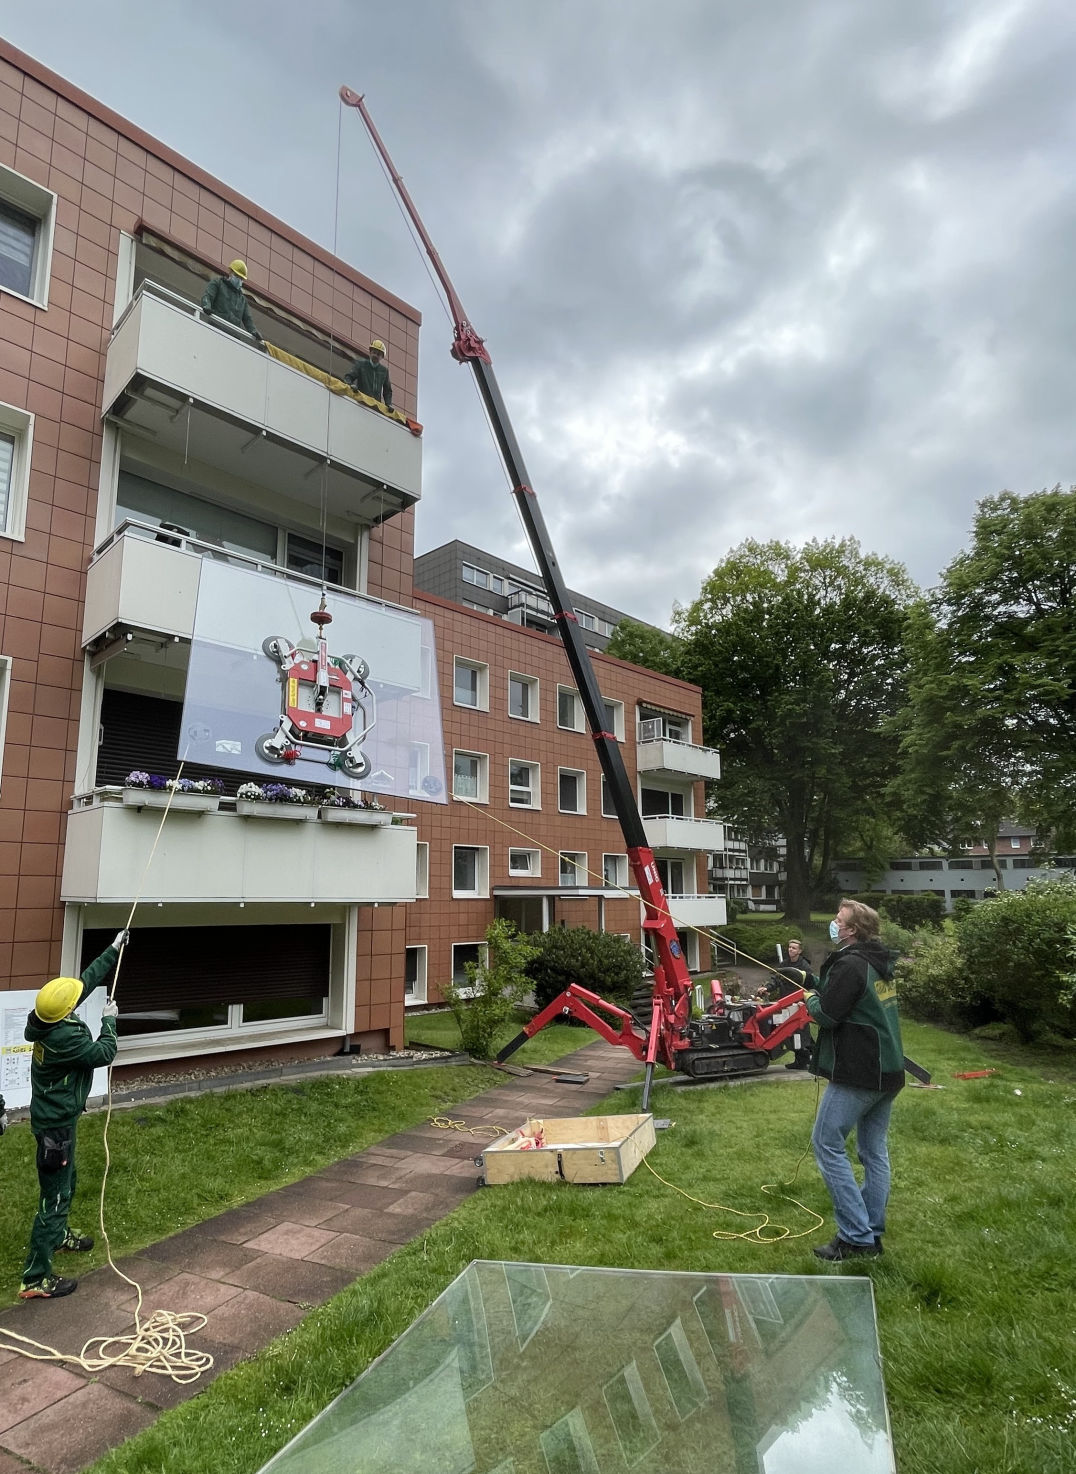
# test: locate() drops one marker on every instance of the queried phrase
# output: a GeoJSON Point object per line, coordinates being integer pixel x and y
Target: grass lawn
{"type": "Point", "coordinates": [974, 1293]}
{"type": "Point", "coordinates": [440, 1029]}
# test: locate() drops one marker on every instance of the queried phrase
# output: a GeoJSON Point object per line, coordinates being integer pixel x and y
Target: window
{"type": "Point", "coordinates": [569, 709]}
{"type": "Point", "coordinates": [524, 785]}
{"type": "Point", "coordinates": [571, 791]}
{"type": "Point", "coordinates": [659, 803]}
{"type": "Point", "coordinates": [687, 1389]}
{"type": "Point", "coordinates": [470, 776]}
{"type": "Point", "coordinates": [655, 724]}
{"type": "Point", "coordinates": [422, 871]}
{"type": "Point", "coordinates": [305, 556]}
{"type": "Point", "coordinates": [1014, 842]}
{"type": "Point", "coordinates": [470, 870]}
{"type": "Point", "coordinates": [477, 576]}
{"type": "Point", "coordinates": [462, 954]}
{"type": "Point", "coordinates": [414, 974]}
{"type": "Point", "coordinates": [16, 441]}
{"type": "Point", "coordinates": [525, 862]}
{"type": "Point", "coordinates": [614, 719]}
{"type": "Point", "coordinates": [586, 621]}
{"type": "Point", "coordinates": [5, 690]}
{"type": "Point", "coordinates": [671, 875]}
{"type": "Point", "coordinates": [608, 809]}
{"type": "Point", "coordinates": [418, 767]}
{"type": "Point", "coordinates": [27, 219]}
{"type": "Point", "coordinates": [631, 1414]}
{"type": "Point", "coordinates": [566, 1446]}
{"type": "Point", "coordinates": [615, 870]}
{"type": "Point", "coordinates": [142, 500]}
{"type": "Point", "coordinates": [573, 868]}
{"type": "Point", "coordinates": [470, 684]}
{"type": "Point", "coordinates": [522, 697]}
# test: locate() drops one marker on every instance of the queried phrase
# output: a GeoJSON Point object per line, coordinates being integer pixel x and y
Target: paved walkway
{"type": "Point", "coordinates": [256, 1271]}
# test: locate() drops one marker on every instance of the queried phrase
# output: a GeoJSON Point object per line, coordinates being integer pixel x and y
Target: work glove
{"type": "Point", "coordinates": [121, 939]}
{"type": "Point", "coordinates": [111, 1009]}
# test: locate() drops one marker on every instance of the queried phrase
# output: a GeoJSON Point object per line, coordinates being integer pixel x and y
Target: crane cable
{"type": "Point", "coordinates": [159, 1343]}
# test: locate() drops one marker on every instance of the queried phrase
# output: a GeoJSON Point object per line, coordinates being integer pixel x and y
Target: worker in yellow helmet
{"type": "Point", "coordinates": [64, 1058]}
{"type": "Point", "coordinates": [369, 375]}
{"type": "Point", "coordinates": [224, 297]}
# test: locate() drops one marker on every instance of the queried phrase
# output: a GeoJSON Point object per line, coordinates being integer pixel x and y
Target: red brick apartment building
{"type": "Point", "coordinates": [140, 442]}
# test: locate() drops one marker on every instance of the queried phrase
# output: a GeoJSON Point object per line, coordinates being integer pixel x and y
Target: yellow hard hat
{"type": "Point", "coordinates": [239, 267]}
{"type": "Point", "coordinates": [377, 346]}
{"type": "Point", "coordinates": [56, 999]}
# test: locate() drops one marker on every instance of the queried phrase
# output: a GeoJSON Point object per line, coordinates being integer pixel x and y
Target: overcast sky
{"type": "Point", "coordinates": [785, 268]}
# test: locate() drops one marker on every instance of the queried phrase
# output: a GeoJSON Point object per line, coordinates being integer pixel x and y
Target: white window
{"type": "Point", "coordinates": [662, 803]}
{"type": "Point", "coordinates": [569, 709]}
{"type": "Point", "coordinates": [414, 974]}
{"type": "Point", "coordinates": [470, 776]}
{"type": "Point", "coordinates": [462, 954]}
{"type": "Point", "coordinates": [478, 576]}
{"type": "Point", "coordinates": [470, 684]}
{"type": "Point", "coordinates": [524, 785]}
{"type": "Point", "coordinates": [615, 870]}
{"type": "Point", "coordinates": [655, 724]}
{"type": "Point", "coordinates": [418, 769]}
{"type": "Point", "coordinates": [422, 870]}
{"type": "Point", "coordinates": [571, 791]}
{"type": "Point", "coordinates": [614, 719]}
{"type": "Point", "coordinates": [1014, 843]}
{"type": "Point", "coordinates": [608, 810]}
{"type": "Point", "coordinates": [470, 870]}
{"type": "Point", "coordinates": [522, 697]}
{"type": "Point", "coordinates": [573, 868]}
{"type": "Point", "coordinates": [671, 875]}
{"type": "Point", "coordinates": [16, 443]}
{"type": "Point", "coordinates": [5, 691]}
{"type": "Point", "coordinates": [525, 862]}
{"type": "Point", "coordinates": [27, 221]}
{"type": "Point", "coordinates": [586, 621]}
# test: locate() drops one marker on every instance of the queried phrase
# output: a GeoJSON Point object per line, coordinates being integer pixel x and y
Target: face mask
{"type": "Point", "coordinates": [236, 281]}
{"type": "Point", "coordinates": [834, 931]}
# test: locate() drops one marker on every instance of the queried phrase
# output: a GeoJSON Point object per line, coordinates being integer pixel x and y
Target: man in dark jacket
{"type": "Point", "coordinates": [64, 1058]}
{"type": "Point", "coordinates": [370, 376]}
{"type": "Point", "coordinates": [224, 297]}
{"type": "Point", "coordinates": [791, 976]}
{"type": "Point", "coordinates": [859, 1051]}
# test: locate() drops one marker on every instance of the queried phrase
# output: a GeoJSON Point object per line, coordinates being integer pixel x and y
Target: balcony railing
{"type": "Point", "coordinates": [666, 833]}
{"type": "Point", "coordinates": [669, 758]}
{"type": "Point", "coordinates": [697, 910]}
{"type": "Point", "coordinates": [198, 387]}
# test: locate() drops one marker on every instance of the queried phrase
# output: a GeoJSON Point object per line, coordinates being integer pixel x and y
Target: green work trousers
{"type": "Point", "coordinates": [56, 1188]}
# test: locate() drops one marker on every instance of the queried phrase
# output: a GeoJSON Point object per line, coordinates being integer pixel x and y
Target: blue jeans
{"type": "Point", "coordinates": [860, 1212]}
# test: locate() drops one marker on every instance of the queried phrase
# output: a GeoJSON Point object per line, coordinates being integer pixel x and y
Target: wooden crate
{"type": "Point", "coordinates": [576, 1149]}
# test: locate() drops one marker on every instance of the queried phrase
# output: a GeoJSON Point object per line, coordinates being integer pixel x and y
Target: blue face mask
{"type": "Point", "coordinates": [834, 931]}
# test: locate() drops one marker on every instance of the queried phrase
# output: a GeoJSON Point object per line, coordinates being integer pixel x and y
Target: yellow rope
{"type": "Point", "coordinates": [446, 1123]}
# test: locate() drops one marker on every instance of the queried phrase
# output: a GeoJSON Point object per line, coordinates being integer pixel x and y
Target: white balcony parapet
{"type": "Point", "coordinates": [201, 389]}
{"type": "Point", "coordinates": [695, 910]}
{"type": "Point", "coordinates": [666, 833]}
{"type": "Point", "coordinates": [664, 756]}
{"type": "Point", "coordinates": [224, 858]}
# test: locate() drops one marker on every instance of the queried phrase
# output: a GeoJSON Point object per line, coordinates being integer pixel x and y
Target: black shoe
{"type": "Point", "coordinates": [838, 1249]}
{"type": "Point", "coordinates": [792, 1065]}
{"type": "Point", "coordinates": [75, 1243]}
{"type": "Point", "coordinates": [878, 1243]}
{"type": "Point", "coordinates": [50, 1288]}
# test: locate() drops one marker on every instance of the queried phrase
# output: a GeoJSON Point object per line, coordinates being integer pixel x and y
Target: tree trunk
{"type": "Point", "coordinates": [797, 890]}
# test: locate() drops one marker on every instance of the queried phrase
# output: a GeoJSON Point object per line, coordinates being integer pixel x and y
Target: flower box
{"type": "Point", "coordinates": [252, 808]}
{"type": "Point", "coordinates": [157, 798]}
{"type": "Point", "coordinates": [334, 815]}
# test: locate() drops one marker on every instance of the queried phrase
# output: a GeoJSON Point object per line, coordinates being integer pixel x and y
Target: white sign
{"type": "Point", "coordinates": [16, 1053]}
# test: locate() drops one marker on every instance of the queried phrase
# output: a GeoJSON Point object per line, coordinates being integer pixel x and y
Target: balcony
{"type": "Point", "coordinates": [661, 757]}
{"type": "Point", "coordinates": [203, 390]}
{"type": "Point", "coordinates": [698, 910]}
{"type": "Point", "coordinates": [529, 609]}
{"type": "Point", "coordinates": [667, 833]}
{"type": "Point", "coordinates": [729, 869]}
{"type": "Point", "coordinates": [221, 857]}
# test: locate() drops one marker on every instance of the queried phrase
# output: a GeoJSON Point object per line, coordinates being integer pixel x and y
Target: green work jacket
{"type": "Point", "coordinates": [855, 1008]}
{"type": "Point", "coordinates": [66, 1055]}
{"type": "Point", "coordinates": [224, 299]}
{"type": "Point", "coordinates": [370, 378]}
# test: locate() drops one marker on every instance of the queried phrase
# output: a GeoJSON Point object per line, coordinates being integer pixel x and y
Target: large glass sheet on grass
{"type": "Point", "coordinates": [540, 1369]}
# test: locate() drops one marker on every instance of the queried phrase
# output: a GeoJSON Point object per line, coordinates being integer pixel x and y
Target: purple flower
{"type": "Point", "coordinates": [158, 782]}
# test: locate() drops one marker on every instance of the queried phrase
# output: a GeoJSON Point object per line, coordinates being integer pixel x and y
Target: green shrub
{"type": "Point", "coordinates": [875, 899]}
{"type": "Point", "coordinates": [933, 981]}
{"type": "Point", "coordinates": [601, 961]}
{"type": "Point", "coordinates": [494, 989]}
{"type": "Point", "coordinates": [914, 911]}
{"type": "Point", "coordinates": [961, 906]}
{"type": "Point", "coordinates": [755, 939]}
{"type": "Point", "coordinates": [1019, 947]}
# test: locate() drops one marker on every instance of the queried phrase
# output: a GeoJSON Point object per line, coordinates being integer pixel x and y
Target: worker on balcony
{"type": "Point", "coordinates": [64, 1058]}
{"type": "Point", "coordinates": [224, 297]}
{"type": "Point", "coordinates": [368, 375]}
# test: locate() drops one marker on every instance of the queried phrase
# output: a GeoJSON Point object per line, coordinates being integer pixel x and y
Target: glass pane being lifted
{"type": "Point", "coordinates": [538, 1369]}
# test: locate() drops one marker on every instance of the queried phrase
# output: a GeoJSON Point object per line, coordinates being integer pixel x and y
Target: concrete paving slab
{"type": "Point", "coordinates": [290, 1240]}
{"type": "Point", "coordinates": [394, 1228]}
{"type": "Point", "coordinates": [353, 1252]}
{"type": "Point", "coordinates": [65, 1438]}
{"type": "Point", "coordinates": [189, 1292]}
{"type": "Point", "coordinates": [163, 1392]}
{"type": "Point", "coordinates": [308, 1202]}
{"type": "Point", "coordinates": [299, 1280]}
{"type": "Point", "coordinates": [238, 1225]}
{"type": "Point", "coordinates": [210, 1257]}
{"type": "Point", "coordinates": [250, 1321]}
{"type": "Point", "coordinates": [28, 1386]}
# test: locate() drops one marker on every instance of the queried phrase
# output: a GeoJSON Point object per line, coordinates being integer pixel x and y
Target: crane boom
{"type": "Point", "coordinates": [671, 1008]}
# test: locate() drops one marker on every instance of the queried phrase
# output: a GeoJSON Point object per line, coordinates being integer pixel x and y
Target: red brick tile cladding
{"type": "Point", "coordinates": [440, 921]}
{"type": "Point", "coordinates": [111, 177]}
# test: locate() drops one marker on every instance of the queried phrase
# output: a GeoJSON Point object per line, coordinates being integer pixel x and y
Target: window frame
{"type": "Point", "coordinates": [580, 725]}
{"type": "Point", "coordinates": [18, 425]}
{"type": "Point", "coordinates": [581, 790]}
{"type": "Point", "coordinates": [623, 877]}
{"type": "Point", "coordinates": [534, 871]}
{"type": "Point", "coordinates": [531, 685]}
{"type": "Point", "coordinates": [481, 795]}
{"type": "Point", "coordinates": [33, 199]}
{"type": "Point", "coordinates": [483, 959]}
{"type": "Point", "coordinates": [5, 697]}
{"type": "Point", "coordinates": [579, 865]}
{"type": "Point", "coordinates": [616, 709]}
{"type": "Point", "coordinates": [422, 870]}
{"type": "Point", "coordinates": [481, 670]}
{"type": "Point", "coordinates": [421, 977]}
{"type": "Point", "coordinates": [481, 891]}
{"type": "Point", "coordinates": [535, 788]}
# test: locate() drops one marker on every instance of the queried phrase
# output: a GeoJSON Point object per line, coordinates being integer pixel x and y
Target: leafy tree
{"type": "Point", "coordinates": [991, 723]}
{"type": "Point", "coordinates": [1018, 947]}
{"type": "Point", "coordinates": [643, 644]}
{"type": "Point", "coordinates": [495, 988]}
{"type": "Point", "coordinates": [601, 961]}
{"type": "Point", "coordinates": [800, 656]}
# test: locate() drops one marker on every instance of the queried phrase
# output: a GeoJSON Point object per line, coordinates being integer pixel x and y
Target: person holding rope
{"type": "Point", "coordinates": [859, 1051]}
{"type": "Point", "coordinates": [65, 1056]}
